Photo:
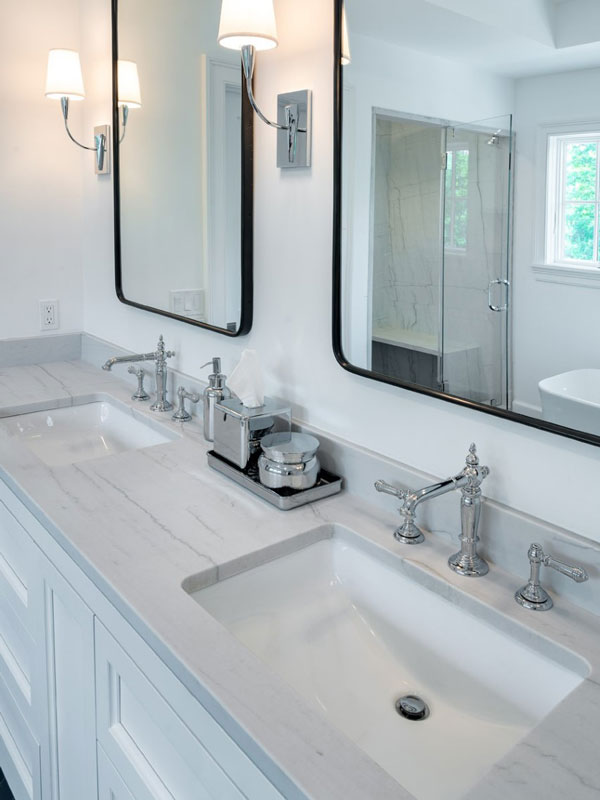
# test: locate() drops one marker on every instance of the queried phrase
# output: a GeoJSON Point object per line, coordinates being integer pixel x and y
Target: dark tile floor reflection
{"type": "Point", "coordinates": [5, 792]}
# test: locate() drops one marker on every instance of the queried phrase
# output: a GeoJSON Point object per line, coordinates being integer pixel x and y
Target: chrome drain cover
{"type": "Point", "coordinates": [412, 707]}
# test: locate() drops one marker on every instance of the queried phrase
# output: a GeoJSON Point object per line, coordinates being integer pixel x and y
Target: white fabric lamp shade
{"type": "Point", "coordinates": [248, 22]}
{"type": "Point", "coordinates": [345, 39]}
{"type": "Point", "coordinates": [64, 78]}
{"type": "Point", "coordinates": [128, 85]}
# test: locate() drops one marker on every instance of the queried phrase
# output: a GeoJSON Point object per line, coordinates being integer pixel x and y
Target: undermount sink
{"type": "Point", "coordinates": [572, 399]}
{"type": "Point", "coordinates": [341, 623]}
{"type": "Point", "coordinates": [60, 436]}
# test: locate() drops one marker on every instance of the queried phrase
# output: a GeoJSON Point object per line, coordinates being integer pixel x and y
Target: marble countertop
{"type": "Point", "coordinates": [140, 522]}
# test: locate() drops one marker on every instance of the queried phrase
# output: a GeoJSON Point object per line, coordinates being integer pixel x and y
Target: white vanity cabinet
{"type": "Point", "coordinates": [164, 743]}
{"type": "Point", "coordinates": [19, 746]}
{"type": "Point", "coordinates": [87, 708]}
{"type": "Point", "coordinates": [47, 700]}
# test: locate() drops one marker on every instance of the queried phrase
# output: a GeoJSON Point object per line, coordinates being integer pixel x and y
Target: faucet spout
{"type": "Point", "coordinates": [409, 532]}
{"type": "Point", "coordinates": [108, 365]}
{"type": "Point", "coordinates": [414, 498]}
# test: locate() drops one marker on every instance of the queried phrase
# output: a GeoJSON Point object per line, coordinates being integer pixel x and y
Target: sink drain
{"type": "Point", "coordinates": [412, 707]}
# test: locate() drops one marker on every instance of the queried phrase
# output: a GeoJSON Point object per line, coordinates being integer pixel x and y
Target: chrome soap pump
{"type": "Point", "coordinates": [214, 393]}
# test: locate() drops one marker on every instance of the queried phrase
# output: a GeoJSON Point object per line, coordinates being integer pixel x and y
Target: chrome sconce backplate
{"type": "Point", "coordinates": [102, 141]}
{"type": "Point", "coordinates": [294, 137]}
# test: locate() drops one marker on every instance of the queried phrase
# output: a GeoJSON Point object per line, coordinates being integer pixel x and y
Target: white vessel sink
{"type": "Point", "coordinates": [572, 399]}
{"type": "Point", "coordinates": [60, 436]}
{"type": "Point", "coordinates": [352, 634]}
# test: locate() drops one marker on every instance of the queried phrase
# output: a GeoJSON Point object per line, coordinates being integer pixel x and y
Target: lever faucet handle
{"type": "Point", "coordinates": [407, 532]}
{"type": "Point", "coordinates": [387, 488]}
{"type": "Point", "coordinates": [533, 596]}
{"type": "Point", "coordinates": [140, 393]}
{"type": "Point", "coordinates": [577, 574]}
{"type": "Point", "coordinates": [181, 415]}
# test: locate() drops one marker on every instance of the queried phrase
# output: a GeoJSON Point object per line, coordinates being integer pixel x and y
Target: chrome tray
{"type": "Point", "coordinates": [285, 499]}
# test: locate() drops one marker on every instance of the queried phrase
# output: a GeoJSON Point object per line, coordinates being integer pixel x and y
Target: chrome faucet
{"type": "Point", "coordinates": [159, 356]}
{"type": "Point", "coordinates": [140, 393]}
{"type": "Point", "coordinates": [181, 415]}
{"type": "Point", "coordinates": [533, 596]}
{"type": "Point", "coordinates": [467, 561]}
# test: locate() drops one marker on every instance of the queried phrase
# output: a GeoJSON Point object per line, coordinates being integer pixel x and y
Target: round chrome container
{"type": "Point", "coordinates": [289, 448]}
{"type": "Point", "coordinates": [275, 475]}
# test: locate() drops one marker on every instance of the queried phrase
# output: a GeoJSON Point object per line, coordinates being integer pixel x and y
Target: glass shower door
{"type": "Point", "coordinates": [475, 232]}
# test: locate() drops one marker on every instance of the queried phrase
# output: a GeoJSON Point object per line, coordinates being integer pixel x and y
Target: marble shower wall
{"type": "Point", "coordinates": [408, 257]}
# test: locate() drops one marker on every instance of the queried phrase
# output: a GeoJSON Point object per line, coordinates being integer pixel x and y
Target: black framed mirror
{"type": "Point", "coordinates": [466, 257]}
{"type": "Point", "coordinates": [183, 166]}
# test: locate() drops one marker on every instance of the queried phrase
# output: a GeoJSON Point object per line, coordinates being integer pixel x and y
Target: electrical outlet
{"type": "Point", "coordinates": [48, 315]}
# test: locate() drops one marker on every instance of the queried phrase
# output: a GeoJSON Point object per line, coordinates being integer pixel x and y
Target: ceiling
{"type": "Point", "coordinates": [514, 38]}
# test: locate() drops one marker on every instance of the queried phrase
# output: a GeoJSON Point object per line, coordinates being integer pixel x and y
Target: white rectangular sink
{"type": "Point", "coordinates": [60, 436]}
{"type": "Point", "coordinates": [351, 633]}
{"type": "Point", "coordinates": [572, 399]}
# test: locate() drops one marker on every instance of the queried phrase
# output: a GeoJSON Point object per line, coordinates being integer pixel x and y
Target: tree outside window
{"type": "Point", "coordinates": [574, 199]}
{"type": "Point", "coordinates": [456, 200]}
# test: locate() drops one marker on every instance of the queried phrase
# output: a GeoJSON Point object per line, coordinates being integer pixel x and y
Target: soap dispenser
{"type": "Point", "coordinates": [214, 393]}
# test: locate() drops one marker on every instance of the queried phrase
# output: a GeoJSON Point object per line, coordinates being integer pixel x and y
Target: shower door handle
{"type": "Point", "coordinates": [498, 282]}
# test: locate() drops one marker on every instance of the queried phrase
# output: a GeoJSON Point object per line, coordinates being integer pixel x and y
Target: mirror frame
{"type": "Point", "coordinates": [512, 416]}
{"type": "Point", "coordinates": [247, 206]}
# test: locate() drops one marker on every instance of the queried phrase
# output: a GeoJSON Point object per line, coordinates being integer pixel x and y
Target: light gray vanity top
{"type": "Point", "coordinates": [140, 522]}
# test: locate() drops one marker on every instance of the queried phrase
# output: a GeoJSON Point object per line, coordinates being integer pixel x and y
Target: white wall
{"type": "Point", "coordinates": [556, 327]}
{"type": "Point", "coordinates": [40, 187]}
{"type": "Point", "coordinates": [551, 477]}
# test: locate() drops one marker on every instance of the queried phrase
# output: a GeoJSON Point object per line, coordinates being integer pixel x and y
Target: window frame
{"type": "Point", "coordinates": [556, 201]}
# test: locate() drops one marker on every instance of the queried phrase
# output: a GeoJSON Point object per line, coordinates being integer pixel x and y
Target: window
{"type": "Point", "coordinates": [573, 200]}
{"type": "Point", "coordinates": [456, 200]}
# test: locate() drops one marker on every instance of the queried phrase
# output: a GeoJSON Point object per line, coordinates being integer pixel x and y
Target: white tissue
{"type": "Point", "coordinates": [246, 380]}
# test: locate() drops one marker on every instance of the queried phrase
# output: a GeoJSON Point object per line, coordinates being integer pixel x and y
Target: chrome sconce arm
{"type": "Point", "coordinates": [248, 61]}
{"type": "Point", "coordinates": [100, 139]}
{"type": "Point", "coordinates": [291, 107]}
{"type": "Point", "coordinates": [124, 118]}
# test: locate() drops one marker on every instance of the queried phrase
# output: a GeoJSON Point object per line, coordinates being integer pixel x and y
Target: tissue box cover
{"type": "Point", "coordinates": [238, 429]}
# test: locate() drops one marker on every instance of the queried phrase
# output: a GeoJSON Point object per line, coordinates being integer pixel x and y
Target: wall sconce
{"type": "Point", "coordinates": [128, 95]}
{"type": "Point", "coordinates": [64, 82]}
{"type": "Point", "coordinates": [346, 59]}
{"type": "Point", "coordinates": [248, 26]}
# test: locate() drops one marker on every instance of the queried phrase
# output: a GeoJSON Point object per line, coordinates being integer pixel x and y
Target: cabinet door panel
{"type": "Point", "coordinates": [16, 552]}
{"type": "Point", "coordinates": [16, 657]}
{"type": "Point", "coordinates": [19, 750]}
{"type": "Point", "coordinates": [110, 784]}
{"type": "Point", "coordinates": [69, 641]}
{"type": "Point", "coordinates": [153, 750]}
